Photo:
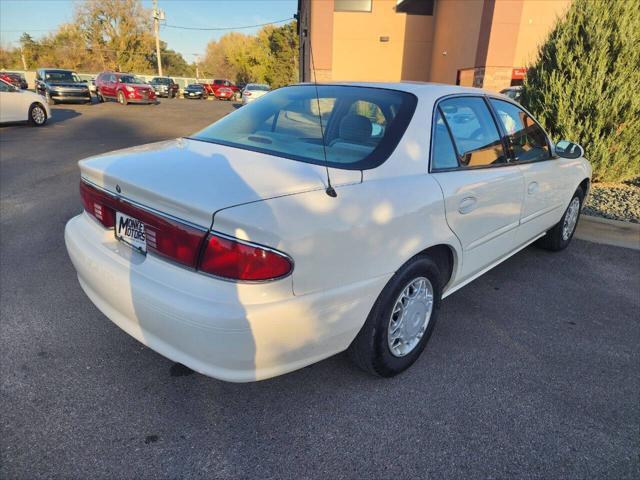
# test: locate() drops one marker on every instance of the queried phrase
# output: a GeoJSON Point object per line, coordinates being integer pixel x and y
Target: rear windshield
{"type": "Point", "coordinates": [357, 127]}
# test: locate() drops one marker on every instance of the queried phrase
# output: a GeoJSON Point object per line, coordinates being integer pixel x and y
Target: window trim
{"type": "Point", "coordinates": [503, 137]}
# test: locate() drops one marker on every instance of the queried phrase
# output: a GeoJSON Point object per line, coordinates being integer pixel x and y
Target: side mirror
{"type": "Point", "coordinates": [567, 149]}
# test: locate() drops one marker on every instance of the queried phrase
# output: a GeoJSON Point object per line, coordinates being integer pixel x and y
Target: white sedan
{"type": "Point", "coordinates": [22, 105]}
{"type": "Point", "coordinates": [253, 91]}
{"type": "Point", "coordinates": [317, 220]}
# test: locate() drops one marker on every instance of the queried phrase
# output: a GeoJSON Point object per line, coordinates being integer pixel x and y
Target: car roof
{"type": "Point", "coordinates": [417, 88]}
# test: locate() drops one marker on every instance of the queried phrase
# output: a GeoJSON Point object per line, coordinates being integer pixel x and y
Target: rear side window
{"type": "Point", "coordinates": [357, 127]}
{"type": "Point", "coordinates": [444, 155]}
{"type": "Point", "coordinates": [474, 132]}
{"type": "Point", "coordinates": [526, 139]}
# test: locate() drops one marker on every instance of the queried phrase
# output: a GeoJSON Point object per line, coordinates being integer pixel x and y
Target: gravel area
{"type": "Point", "coordinates": [616, 201]}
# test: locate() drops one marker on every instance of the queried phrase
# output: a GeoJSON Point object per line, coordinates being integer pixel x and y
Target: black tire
{"type": "Point", "coordinates": [100, 98]}
{"type": "Point", "coordinates": [556, 239]}
{"type": "Point", "coordinates": [370, 349]}
{"type": "Point", "coordinates": [37, 115]}
{"type": "Point", "coordinates": [122, 100]}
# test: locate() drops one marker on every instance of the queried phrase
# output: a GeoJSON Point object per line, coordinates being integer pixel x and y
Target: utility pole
{"type": "Point", "coordinates": [24, 60]}
{"type": "Point", "coordinates": [157, 16]}
{"type": "Point", "coordinates": [197, 57]}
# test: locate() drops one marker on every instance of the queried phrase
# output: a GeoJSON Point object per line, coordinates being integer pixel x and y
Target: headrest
{"type": "Point", "coordinates": [355, 128]}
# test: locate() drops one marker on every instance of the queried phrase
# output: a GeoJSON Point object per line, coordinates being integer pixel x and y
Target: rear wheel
{"type": "Point", "coordinates": [99, 97]}
{"type": "Point", "coordinates": [559, 237]}
{"type": "Point", "coordinates": [122, 100]}
{"type": "Point", "coordinates": [401, 321]}
{"type": "Point", "coordinates": [37, 115]}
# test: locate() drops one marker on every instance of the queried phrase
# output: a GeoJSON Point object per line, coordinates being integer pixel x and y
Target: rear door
{"type": "Point", "coordinates": [544, 176]}
{"type": "Point", "coordinates": [482, 190]}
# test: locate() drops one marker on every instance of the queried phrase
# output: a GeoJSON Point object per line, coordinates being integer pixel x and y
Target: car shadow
{"type": "Point", "coordinates": [62, 114]}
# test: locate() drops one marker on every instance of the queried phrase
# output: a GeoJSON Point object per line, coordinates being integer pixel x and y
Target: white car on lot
{"type": "Point", "coordinates": [22, 105]}
{"type": "Point", "coordinates": [253, 91]}
{"type": "Point", "coordinates": [302, 225]}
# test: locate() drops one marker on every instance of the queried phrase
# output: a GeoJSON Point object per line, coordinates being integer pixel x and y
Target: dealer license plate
{"type": "Point", "coordinates": [131, 231]}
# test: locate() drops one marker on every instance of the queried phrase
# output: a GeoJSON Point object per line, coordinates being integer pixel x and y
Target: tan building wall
{"type": "Point", "coordinates": [484, 40]}
{"type": "Point", "coordinates": [457, 27]}
{"type": "Point", "coordinates": [537, 20]}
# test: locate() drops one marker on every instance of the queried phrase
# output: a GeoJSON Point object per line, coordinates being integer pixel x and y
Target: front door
{"type": "Point", "coordinates": [482, 191]}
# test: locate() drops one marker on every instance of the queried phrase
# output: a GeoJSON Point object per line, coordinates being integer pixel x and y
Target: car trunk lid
{"type": "Point", "coordinates": [191, 179]}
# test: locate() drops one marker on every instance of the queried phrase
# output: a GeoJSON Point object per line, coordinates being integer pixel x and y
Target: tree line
{"type": "Point", "coordinates": [118, 35]}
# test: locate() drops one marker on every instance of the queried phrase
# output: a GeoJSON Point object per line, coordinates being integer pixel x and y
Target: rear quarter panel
{"type": "Point", "coordinates": [368, 231]}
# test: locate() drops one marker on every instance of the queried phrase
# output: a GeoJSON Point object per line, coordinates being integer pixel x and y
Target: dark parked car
{"type": "Point", "coordinates": [195, 90]}
{"type": "Point", "coordinates": [58, 85]}
{"type": "Point", "coordinates": [164, 87]}
{"type": "Point", "coordinates": [15, 79]}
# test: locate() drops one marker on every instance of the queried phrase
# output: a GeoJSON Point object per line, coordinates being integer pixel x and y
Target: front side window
{"type": "Point", "coordinates": [474, 132]}
{"type": "Point", "coordinates": [526, 139]}
{"type": "Point", "coordinates": [357, 127]}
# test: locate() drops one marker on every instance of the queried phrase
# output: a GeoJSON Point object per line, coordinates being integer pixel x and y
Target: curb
{"type": "Point", "coordinates": [609, 232]}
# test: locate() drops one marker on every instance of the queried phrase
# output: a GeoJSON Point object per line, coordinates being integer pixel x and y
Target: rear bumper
{"type": "Point", "coordinates": [221, 329]}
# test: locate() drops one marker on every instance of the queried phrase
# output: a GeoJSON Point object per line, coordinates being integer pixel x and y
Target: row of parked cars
{"type": "Point", "coordinates": [63, 86]}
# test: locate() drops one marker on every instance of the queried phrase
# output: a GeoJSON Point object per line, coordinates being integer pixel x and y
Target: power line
{"type": "Point", "coordinates": [227, 28]}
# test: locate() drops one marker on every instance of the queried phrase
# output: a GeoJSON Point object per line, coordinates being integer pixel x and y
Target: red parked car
{"type": "Point", "coordinates": [123, 87]}
{"type": "Point", "coordinates": [222, 89]}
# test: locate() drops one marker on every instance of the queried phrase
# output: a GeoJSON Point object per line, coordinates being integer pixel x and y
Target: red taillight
{"type": "Point", "coordinates": [182, 243]}
{"type": "Point", "coordinates": [95, 204]}
{"type": "Point", "coordinates": [170, 238]}
{"type": "Point", "coordinates": [227, 258]}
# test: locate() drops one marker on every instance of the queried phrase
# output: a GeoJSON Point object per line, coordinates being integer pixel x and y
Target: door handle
{"type": "Point", "coordinates": [467, 205]}
{"type": "Point", "coordinates": [532, 188]}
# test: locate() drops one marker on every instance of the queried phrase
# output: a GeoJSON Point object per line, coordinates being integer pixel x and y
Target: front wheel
{"type": "Point", "coordinates": [37, 115]}
{"type": "Point", "coordinates": [559, 237]}
{"type": "Point", "coordinates": [401, 321]}
{"type": "Point", "coordinates": [122, 100]}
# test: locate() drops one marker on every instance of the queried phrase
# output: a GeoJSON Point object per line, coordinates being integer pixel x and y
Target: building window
{"type": "Point", "coordinates": [352, 5]}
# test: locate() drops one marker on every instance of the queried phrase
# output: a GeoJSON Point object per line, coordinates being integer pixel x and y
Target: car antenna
{"type": "Point", "coordinates": [330, 190]}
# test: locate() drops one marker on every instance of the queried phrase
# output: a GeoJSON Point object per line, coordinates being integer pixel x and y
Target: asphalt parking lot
{"type": "Point", "coordinates": [532, 371]}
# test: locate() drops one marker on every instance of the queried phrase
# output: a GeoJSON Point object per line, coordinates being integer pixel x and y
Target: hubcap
{"type": "Point", "coordinates": [410, 316]}
{"type": "Point", "coordinates": [571, 218]}
{"type": "Point", "coordinates": [38, 115]}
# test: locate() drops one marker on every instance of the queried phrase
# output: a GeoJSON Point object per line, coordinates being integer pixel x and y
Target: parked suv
{"type": "Point", "coordinates": [164, 87]}
{"type": "Point", "coordinates": [123, 87]}
{"type": "Point", "coordinates": [58, 85]}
